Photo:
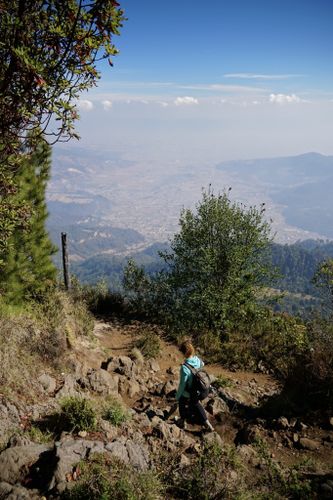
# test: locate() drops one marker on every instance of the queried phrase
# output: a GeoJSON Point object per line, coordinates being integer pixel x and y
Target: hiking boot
{"type": "Point", "coordinates": [181, 424]}
{"type": "Point", "coordinates": [208, 426]}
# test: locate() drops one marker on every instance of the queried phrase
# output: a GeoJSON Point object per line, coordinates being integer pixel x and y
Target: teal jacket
{"type": "Point", "coordinates": [186, 376]}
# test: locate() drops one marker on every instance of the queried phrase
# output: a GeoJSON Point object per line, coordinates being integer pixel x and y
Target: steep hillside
{"type": "Point", "coordinates": [128, 425]}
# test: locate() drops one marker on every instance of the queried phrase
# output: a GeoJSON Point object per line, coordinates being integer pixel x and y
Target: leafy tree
{"type": "Point", "coordinates": [323, 279]}
{"type": "Point", "coordinates": [49, 50]}
{"type": "Point", "coordinates": [213, 270]}
{"type": "Point", "coordinates": [28, 269]}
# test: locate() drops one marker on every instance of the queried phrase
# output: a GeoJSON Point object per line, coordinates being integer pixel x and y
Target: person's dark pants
{"type": "Point", "coordinates": [191, 410]}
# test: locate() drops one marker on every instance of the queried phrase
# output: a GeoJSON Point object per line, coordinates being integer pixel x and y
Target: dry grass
{"type": "Point", "coordinates": [35, 337]}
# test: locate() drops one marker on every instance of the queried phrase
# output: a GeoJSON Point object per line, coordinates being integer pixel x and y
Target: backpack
{"type": "Point", "coordinates": [200, 382]}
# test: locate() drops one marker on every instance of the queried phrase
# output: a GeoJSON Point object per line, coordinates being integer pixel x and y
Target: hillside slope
{"type": "Point", "coordinates": [258, 451]}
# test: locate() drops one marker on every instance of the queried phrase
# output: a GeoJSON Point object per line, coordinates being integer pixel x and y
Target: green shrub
{"type": "Point", "coordinates": [206, 477]}
{"type": "Point", "coordinates": [211, 345]}
{"type": "Point", "coordinates": [37, 435]}
{"type": "Point", "coordinates": [285, 482]}
{"type": "Point", "coordinates": [114, 412]}
{"type": "Point", "coordinates": [311, 371]}
{"type": "Point", "coordinates": [137, 355]}
{"type": "Point", "coordinates": [266, 338]}
{"type": "Point", "coordinates": [105, 478]}
{"type": "Point", "coordinates": [149, 344]}
{"type": "Point", "coordinates": [222, 381]}
{"type": "Point", "coordinates": [77, 414]}
{"type": "Point", "coordinates": [98, 298]}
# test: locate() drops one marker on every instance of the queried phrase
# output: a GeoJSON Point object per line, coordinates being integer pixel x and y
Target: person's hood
{"type": "Point", "coordinates": [194, 361]}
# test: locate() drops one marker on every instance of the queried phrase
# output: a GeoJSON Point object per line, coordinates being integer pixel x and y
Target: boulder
{"type": "Point", "coordinates": [153, 365]}
{"type": "Point", "coordinates": [122, 365]}
{"type": "Point", "coordinates": [142, 420]}
{"type": "Point", "coordinates": [248, 434]}
{"type": "Point", "coordinates": [212, 438]}
{"type": "Point", "coordinates": [248, 454]}
{"type": "Point", "coordinates": [69, 452]}
{"type": "Point", "coordinates": [103, 382]}
{"type": "Point", "coordinates": [48, 383]}
{"type": "Point", "coordinates": [138, 455]}
{"type": "Point", "coordinates": [110, 430]}
{"type": "Point", "coordinates": [216, 406]}
{"type": "Point", "coordinates": [129, 387]}
{"type": "Point", "coordinates": [169, 388]}
{"type": "Point", "coordinates": [282, 423]}
{"type": "Point", "coordinates": [15, 462]}
{"type": "Point", "coordinates": [171, 435]}
{"type": "Point", "coordinates": [309, 444]}
{"type": "Point", "coordinates": [118, 450]}
{"type": "Point", "coordinates": [11, 492]}
{"type": "Point", "coordinates": [151, 412]}
{"type": "Point", "coordinates": [9, 419]}
{"type": "Point", "coordinates": [130, 452]}
{"type": "Point", "coordinates": [69, 388]}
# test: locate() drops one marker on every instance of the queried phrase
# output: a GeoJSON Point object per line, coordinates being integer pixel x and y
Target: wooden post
{"type": "Point", "coordinates": [65, 260]}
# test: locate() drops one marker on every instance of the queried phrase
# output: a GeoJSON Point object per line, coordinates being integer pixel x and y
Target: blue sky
{"type": "Point", "coordinates": [196, 40]}
{"type": "Point", "coordinates": [219, 79]}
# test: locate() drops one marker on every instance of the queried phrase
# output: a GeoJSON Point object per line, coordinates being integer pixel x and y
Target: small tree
{"type": "Point", "coordinates": [28, 269]}
{"type": "Point", "coordinates": [213, 269]}
{"type": "Point", "coordinates": [323, 279]}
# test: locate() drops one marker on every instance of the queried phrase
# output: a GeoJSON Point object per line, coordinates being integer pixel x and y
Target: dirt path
{"type": "Point", "coordinates": [115, 339]}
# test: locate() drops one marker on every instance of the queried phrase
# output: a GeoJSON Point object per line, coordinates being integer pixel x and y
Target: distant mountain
{"type": "Point", "coordinates": [300, 185]}
{"type": "Point", "coordinates": [91, 236]}
{"type": "Point", "coordinates": [110, 268]}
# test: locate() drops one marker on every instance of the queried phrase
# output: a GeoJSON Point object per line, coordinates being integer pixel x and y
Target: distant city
{"type": "Point", "coordinates": [114, 205]}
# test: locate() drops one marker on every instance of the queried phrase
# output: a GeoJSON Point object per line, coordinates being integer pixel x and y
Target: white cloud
{"type": "Point", "coordinates": [86, 105]}
{"type": "Point", "coordinates": [107, 104]}
{"type": "Point", "coordinates": [163, 104]}
{"type": "Point", "coordinates": [186, 100]}
{"type": "Point", "coordinates": [255, 76]}
{"type": "Point", "coordinates": [284, 98]}
{"type": "Point", "coordinates": [221, 87]}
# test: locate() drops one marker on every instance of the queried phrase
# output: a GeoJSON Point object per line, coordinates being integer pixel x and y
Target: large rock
{"type": "Point", "coordinates": [130, 452]}
{"type": "Point", "coordinates": [212, 438]}
{"type": "Point", "coordinates": [103, 382]}
{"type": "Point", "coordinates": [122, 365]}
{"type": "Point", "coordinates": [216, 406]}
{"type": "Point", "coordinates": [171, 435]}
{"type": "Point", "coordinates": [248, 435]}
{"type": "Point", "coordinates": [48, 383]}
{"type": "Point", "coordinates": [69, 452]}
{"type": "Point", "coordinates": [309, 444]}
{"type": "Point", "coordinates": [138, 455]}
{"type": "Point", "coordinates": [9, 419]}
{"type": "Point", "coordinates": [153, 365]}
{"type": "Point", "coordinates": [248, 454]}
{"type": "Point", "coordinates": [15, 462]}
{"type": "Point", "coordinates": [129, 387]}
{"type": "Point", "coordinates": [118, 450]}
{"type": "Point", "coordinates": [69, 388]}
{"type": "Point", "coordinates": [10, 492]}
{"type": "Point", "coordinates": [169, 388]}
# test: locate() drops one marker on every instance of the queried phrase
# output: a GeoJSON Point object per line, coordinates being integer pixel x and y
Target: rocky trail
{"type": "Point", "coordinates": [104, 367]}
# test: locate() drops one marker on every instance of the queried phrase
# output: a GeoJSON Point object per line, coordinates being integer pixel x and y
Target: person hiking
{"type": "Point", "coordinates": [190, 408]}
